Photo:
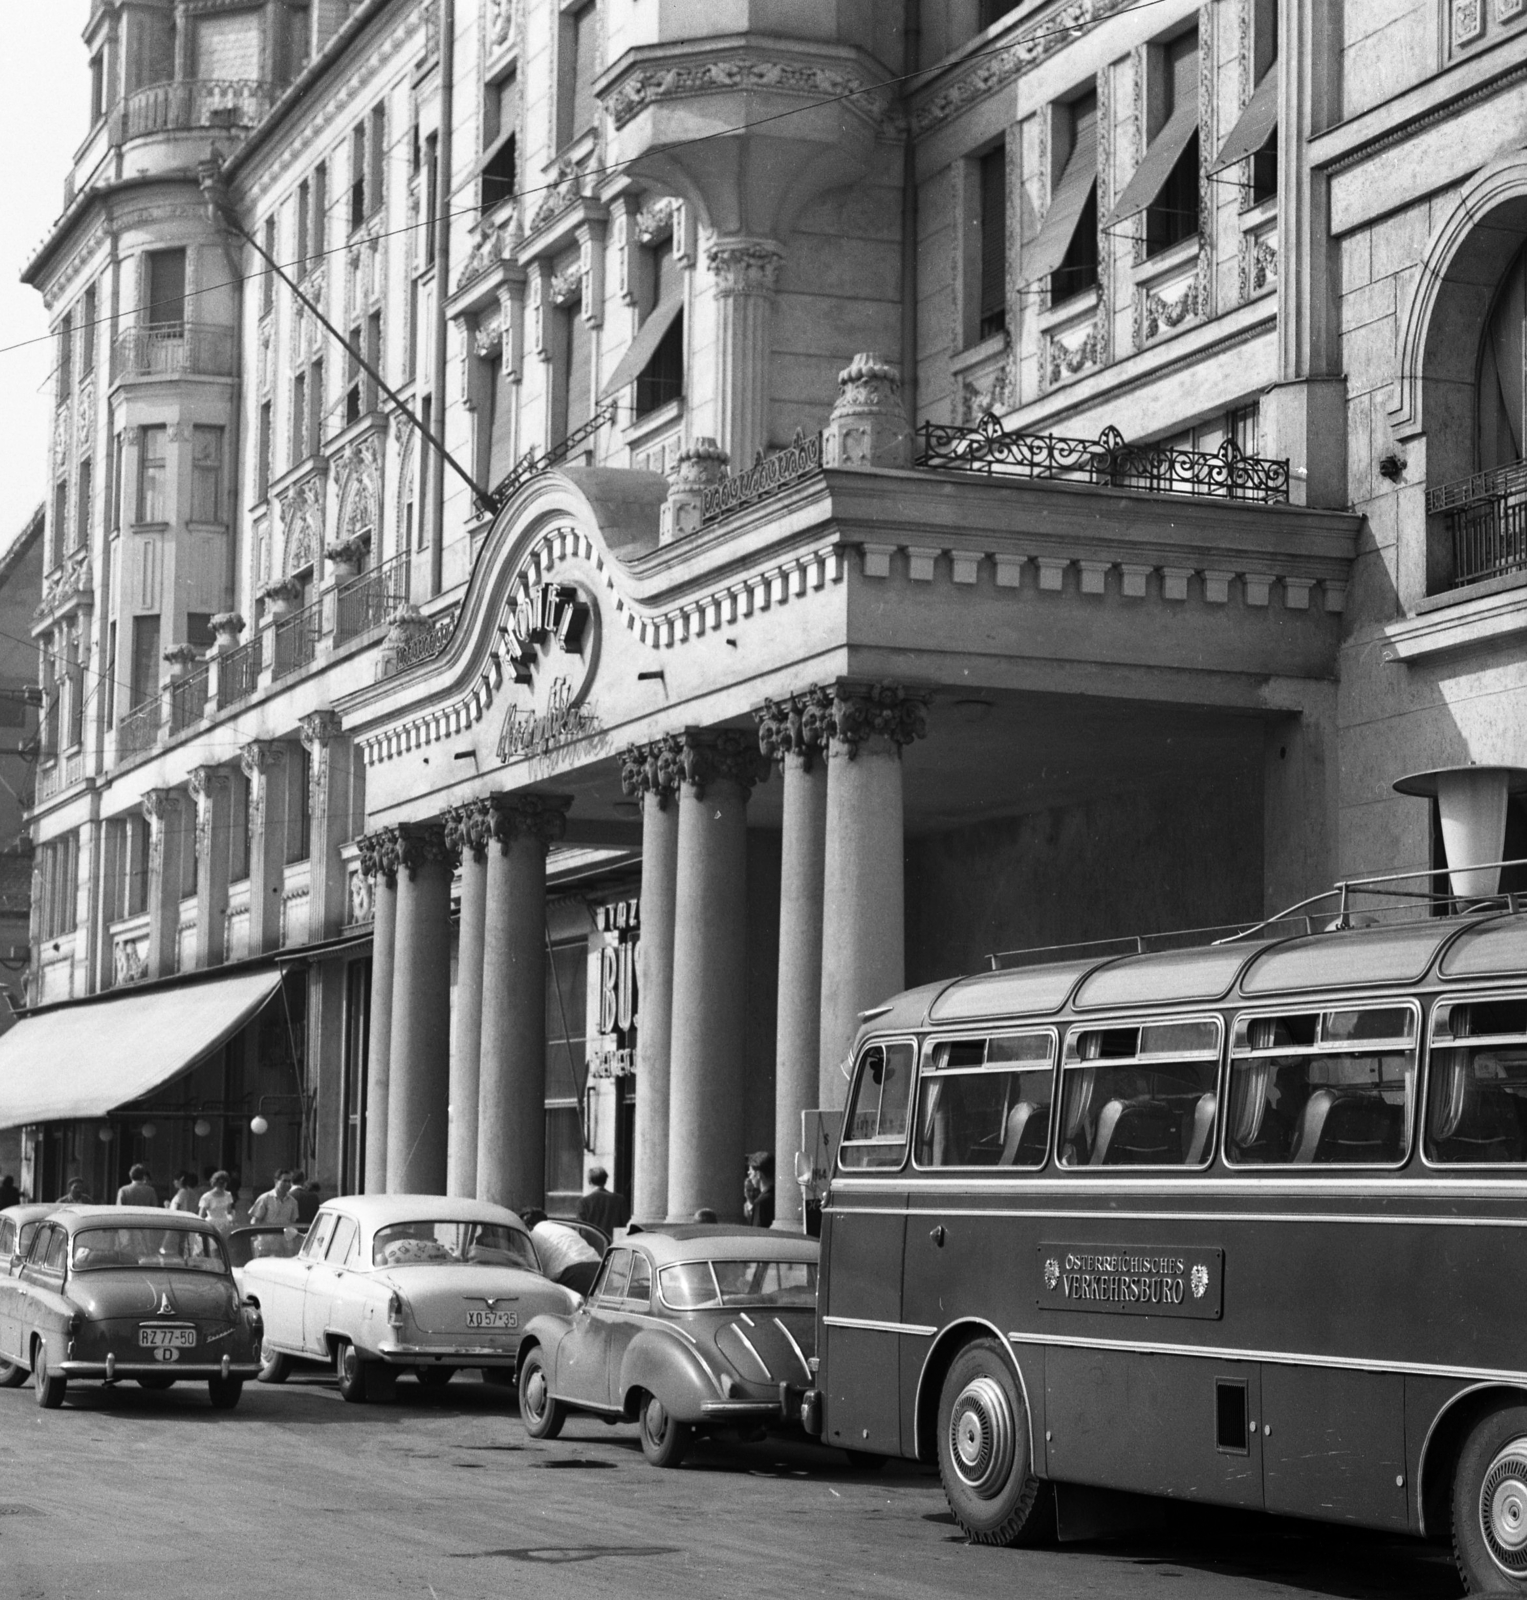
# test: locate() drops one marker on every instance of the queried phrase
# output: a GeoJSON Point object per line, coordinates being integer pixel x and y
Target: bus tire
{"type": "Point", "coordinates": [1490, 1505]}
{"type": "Point", "coordinates": [983, 1450]}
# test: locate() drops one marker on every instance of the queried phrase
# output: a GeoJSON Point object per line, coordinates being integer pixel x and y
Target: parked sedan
{"type": "Point", "coordinates": [17, 1225]}
{"type": "Point", "coordinates": [127, 1292]}
{"type": "Point", "coordinates": [685, 1328]}
{"type": "Point", "coordinates": [395, 1283]}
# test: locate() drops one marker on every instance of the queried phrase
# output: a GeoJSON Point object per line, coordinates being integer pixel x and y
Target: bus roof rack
{"type": "Point", "coordinates": [1368, 902]}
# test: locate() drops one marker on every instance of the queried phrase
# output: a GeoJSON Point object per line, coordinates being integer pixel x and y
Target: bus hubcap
{"type": "Point", "coordinates": [1503, 1508]}
{"type": "Point", "coordinates": [981, 1436]}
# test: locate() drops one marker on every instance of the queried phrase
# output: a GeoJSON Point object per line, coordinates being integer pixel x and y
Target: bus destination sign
{"type": "Point", "coordinates": [1137, 1280]}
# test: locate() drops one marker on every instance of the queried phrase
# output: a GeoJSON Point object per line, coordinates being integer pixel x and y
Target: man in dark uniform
{"type": "Point", "coordinates": [607, 1211]}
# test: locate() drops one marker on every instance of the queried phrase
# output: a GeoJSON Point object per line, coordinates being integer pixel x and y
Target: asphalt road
{"type": "Point", "coordinates": [298, 1496]}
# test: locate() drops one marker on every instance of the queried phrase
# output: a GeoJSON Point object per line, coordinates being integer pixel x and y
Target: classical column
{"type": "Point", "coordinates": [705, 1085]}
{"type": "Point", "coordinates": [379, 862]}
{"type": "Point", "coordinates": [467, 832]}
{"type": "Point", "coordinates": [511, 1098]}
{"type": "Point", "coordinates": [864, 896]}
{"type": "Point", "coordinates": [212, 791]}
{"type": "Point", "coordinates": [419, 1049]}
{"type": "Point", "coordinates": [794, 734]}
{"type": "Point", "coordinates": [331, 820]}
{"type": "Point", "coordinates": [746, 272]}
{"type": "Point", "coordinates": [651, 774]}
{"type": "Point", "coordinates": [169, 820]}
{"type": "Point", "coordinates": [265, 765]}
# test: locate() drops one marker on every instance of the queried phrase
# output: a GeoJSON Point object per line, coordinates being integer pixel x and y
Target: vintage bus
{"type": "Point", "coordinates": [1242, 1223]}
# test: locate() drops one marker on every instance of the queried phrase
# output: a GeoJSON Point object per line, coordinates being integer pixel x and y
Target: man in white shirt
{"type": "Point", "coordinates": [276, 1207]}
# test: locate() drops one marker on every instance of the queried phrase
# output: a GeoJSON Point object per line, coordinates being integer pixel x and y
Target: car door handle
{"type": "Point", "coordinates": [936, 1234]}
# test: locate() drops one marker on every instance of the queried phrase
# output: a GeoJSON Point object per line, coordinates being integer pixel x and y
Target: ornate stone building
{"type": "Point", "coordinates": [905, 494]}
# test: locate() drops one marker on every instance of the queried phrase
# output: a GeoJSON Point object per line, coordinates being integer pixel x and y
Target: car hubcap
{"type": "Point", "coordinates": [981, 1435]}
{"type": "Point", "coordinates": [1503, 1508]}
{"type": "Point", "coordinates": [535, 1392]}
{"type": "Point", "coordinates": [657, 1421]}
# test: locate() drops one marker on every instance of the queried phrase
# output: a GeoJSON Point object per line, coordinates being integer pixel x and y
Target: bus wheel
{"type": "Point", "coordinates": [983, 1450]}
{"type": "Point", "coordinates": [1490, 1505]}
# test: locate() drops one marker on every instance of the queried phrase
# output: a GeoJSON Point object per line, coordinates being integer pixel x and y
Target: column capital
{"type": "Point", "coordinates": [745, 266]}
{"type": "Point", "coordinates": [468, 829]}
{"type": "Point", "coordinates": [379, 854]}
{"type": "Point", "coordinates": [318, 728]}
{"type": "Point", "coordinates": [205, 782]}
{"type": "Point", "coordinates": [421, 844]}
{"type": "Point", "coordinates": [162, 805]}
{"type": "Point", "coordinates": [714, 755]}
{"type": "Point", "coordinates": [651, 768]}
{"type": "Point", "coordinates": [800, 725]}
{"type": "Point", "coordinates": [886, 710]}
{"type": "Point", "coordinates": [260, 755]}
{"type": "Point", "coordinates": [541, 818]}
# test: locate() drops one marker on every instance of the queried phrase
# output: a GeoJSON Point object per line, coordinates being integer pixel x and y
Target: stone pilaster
{"type": "Point", "coordinates": [169, 848]}
{"type": "Point", "coordinates": [746, 273]}
{"type": "Point", "coordinates": [265, 765]}
{"type": "Point", "coordinates": [468, 832]}
{"type": "Point", "coordinates": [331, 811]}
{"type": "Point", "coordinates": [511, 1104]}
{"type": "Point", "coordinates": [379, 862]}
{"type": "Point", "coordinates": [212, 793]}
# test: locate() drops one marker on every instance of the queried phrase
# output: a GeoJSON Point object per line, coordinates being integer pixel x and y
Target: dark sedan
{"type": "Point", "coordinates": [685, 1329]}
{"type": "Point", "coordinates": [114, 1292]}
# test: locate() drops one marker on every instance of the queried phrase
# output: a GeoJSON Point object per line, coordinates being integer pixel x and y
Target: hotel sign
{"type": "Point", "coordinates": [1133, 1280]}
{"type": "Point", "coordinates": [551, 634]}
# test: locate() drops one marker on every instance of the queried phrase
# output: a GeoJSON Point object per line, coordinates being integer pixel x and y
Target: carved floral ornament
{"type": "Point", "coordinates": [698, 758]}
{"type": "Point", "coordinates": [502, 21]}
{"type": "Point", "coordinates": [809, 721]}
{"type": "Point", "coordinates": [745, 266]}
{"type": "Point", "coordinates": [406, 847]}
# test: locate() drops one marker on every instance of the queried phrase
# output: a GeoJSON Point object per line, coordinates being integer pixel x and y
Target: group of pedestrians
{"type": "Point", "coordinates": [291, 1201]}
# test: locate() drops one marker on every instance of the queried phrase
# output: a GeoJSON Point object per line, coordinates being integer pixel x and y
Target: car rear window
{"type": "Point", "coordinates": [491, 1244]}
{"type": "Point", "coordinates": [710, 1285]}
{"type": "Point", "coordinates": [172, 1249]}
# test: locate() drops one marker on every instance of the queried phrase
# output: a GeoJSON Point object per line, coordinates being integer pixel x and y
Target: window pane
{"type": "Point", "coordinates": [1155, 1113]}
{"type": "Point", "coordinates": [689, 1286]}
{"type": "Point", "coordinates": [993, 309]}
{"type": "Point", "coordinates": [1477, 1105]}
{"type": "Point", "coordinates": [207, 475]}
{"type": "Point", "coordinates": [1302, 1110]}
{"type": "Point", "coordinates": [639, 1288]}
{"type": "Point", "coordinates": [145, 673]}
{"type": "Point", "coordinates": [585, 68]}
{"type": "Point", "coordinates": [564, 1151]}
{"type": "Point", "coordinates": [874, 1131]}
{"type": "Point", "coordinates": [151, 476]}
{"type": "Point", "coordinates": [166, 296]}
{"type": "Point", "coordinates": [984, 1119]}
{"type": "Point", "coordinates": [617, 1271]}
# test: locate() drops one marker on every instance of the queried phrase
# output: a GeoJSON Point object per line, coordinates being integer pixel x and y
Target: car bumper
{"type": "Point", "coordinates": [785, 1408]}
{"type": "Point", "coordinates": [109, 1370]}
{"type": "Point", "coordinates": [461, 1355]}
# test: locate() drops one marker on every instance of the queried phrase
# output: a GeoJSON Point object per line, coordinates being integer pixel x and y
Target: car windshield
{"type": "Point", "coordinates": [246, 1243]}
{"type": "Point", "coordinates": [175, 1249]}
{"type": "Point", "coordinates": [489, 1244]}
{"type": "Point", "coordinates": [702, 1285]}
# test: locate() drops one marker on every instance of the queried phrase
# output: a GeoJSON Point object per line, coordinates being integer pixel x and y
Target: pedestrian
{"type": "Point", "coordinates": [216, 1205]}
{"type": "Point", "coordinates": [305, 1193]}
{"type": "Point", "coordinates": [76, 1194]}
{"type": "Point", "coordinates": [758, 1190]}
{"type": "Point", "coordinates": [138, 1191]}
{"type": "Point", "coordinates": [566, 1257]}
{"type": "Point", "coordinates": [185, 1194]}
{"type": "Point", "coordinates": [277, 1207]}
{"type": "Point", "coordinates": [10, 1195]}
{"type": "Point", "coordinates": [603, 1207]}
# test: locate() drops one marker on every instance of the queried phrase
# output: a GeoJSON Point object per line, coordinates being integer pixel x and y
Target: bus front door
{"type": "Point", "coordinates": [861, 1355]}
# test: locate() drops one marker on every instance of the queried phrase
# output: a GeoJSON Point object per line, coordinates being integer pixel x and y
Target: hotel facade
{"type": "Point", "coordinates": [917, 481]}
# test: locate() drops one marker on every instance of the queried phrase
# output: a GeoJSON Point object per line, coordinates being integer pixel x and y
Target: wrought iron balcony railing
{"type": "Point", "coordinates": [992, 450]}
{"type": "Point", "coordinates": [295, 640]}
{"type": "Point", "coordinates": [139, 729]}
{"type": "Point", "coordinates": [238, 672]}
{"type": "Point", "coordinates": [1485, 522]}
{"type": "Point", "coordinates": [173, 349]}
{"type": "Point", "coordinates": [188, 699]}
{"type": "Point", "coordinates": [367, 601]}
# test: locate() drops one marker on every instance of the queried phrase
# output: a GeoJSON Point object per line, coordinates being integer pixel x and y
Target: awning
{"type": "Point", "coordinates": [1156, 168]}
{"type": "Point", "coordinates": [642, 348]}
{"type": "Point", "coordinates": [1048, 250]}
{"type": "Point", "coordinates": [1256, 123]}
{"type": "Point", "coordinates": [86, 1060]}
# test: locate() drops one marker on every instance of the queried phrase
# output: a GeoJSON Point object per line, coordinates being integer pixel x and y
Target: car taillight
{"type": "Point", "coordinates": [76, 1324]}
{"type": "Point", "coordinates": [395, 1309]}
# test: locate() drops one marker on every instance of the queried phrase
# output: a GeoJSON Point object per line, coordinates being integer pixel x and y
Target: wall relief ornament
{"type": "Point", "coordinates": [564, 189]}
{"type": "Point", "coordinates": [69, 585]}
{"type": "Point", "coordinates": [469, 829]}
{"type": "Point", "coordinates": [541, 818]}
{"type": "Point", "coordinates": [422, 844]}
{"type": "Point", "coordinates": [302, 508]}
{"type": "Point", "coordinates": [502, 22]}
{"type": "Point", "coordinates": [655, 220]}
{"type": "Point", "coordinates": [745, 266]}
{"type": "Point", "coordinates": [722, 755]}
{"type": "Point", "coordinates": [656, 768]}
{"type": "Point", "coordinates": [884, 710]}
{"type": "Point", "coordinates": [359, 478]}
{"type": "Point", "coordinates": [800, 725]}
{"type": "Point", "coordinates": [565, 286]}
{"type": "Point", "coordinates": [648, 88]}
{"type": "Point", "coordinates": [378, 854]}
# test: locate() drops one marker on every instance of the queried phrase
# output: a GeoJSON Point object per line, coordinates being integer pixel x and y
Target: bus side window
{"type": "Point", "coordinates": [875, 1128]}
{"type": "Point", "coordinates": [986, 1102]}
{"type": "Point", "coordinates": [1476, 1110]}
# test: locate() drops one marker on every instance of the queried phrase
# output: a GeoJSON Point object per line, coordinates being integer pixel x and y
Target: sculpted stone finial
{"type": "Point", "coordinates": [868, 426]}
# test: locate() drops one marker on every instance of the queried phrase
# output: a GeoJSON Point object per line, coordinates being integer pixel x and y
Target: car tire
{"type": "Point", "coordinates": [984, 1455]}
{"type": "Point", "coordinates": [865, 1460]}
{"type": "Point", "coordinates": [48, 1386]}
{"type": "Point", "coordinates": [542, 1414]}
{"type": "Point", "coordinates": [275, 1366]}
{"type": "Point", "coordinates": [224, 1393]}
{"type": "Point", "coordinates": [665, 1440]}
{"type": "Point", "coordinates": [351, 1371]}
{"type": "Point", "coordinates": [435, 1377]}
{"type": "Point", "coordinates": [155, 1381]}
{"type": "Point", "coordinates": [1490, 1505]}
{"type": "Point", "coordinates": [12, 1374]}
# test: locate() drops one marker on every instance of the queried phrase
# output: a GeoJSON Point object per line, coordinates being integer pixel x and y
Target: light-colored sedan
{"type": "Point", "coordinates": [395, 1283]}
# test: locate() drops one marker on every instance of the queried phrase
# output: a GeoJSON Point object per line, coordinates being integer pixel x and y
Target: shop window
{"type": "Point", "coordinates": [152, 476]}
{"type": "Point", "coordinates": [1165, 184]}
{"type": "Point", "coordinates": [564, 1158]}
{"type": "Point", "coordinates": [501, 120]}
{"type": "Point", "coordinates": [578, 67]}
{"type": "Point", "coordinates": [992, 305]}
{"type": "Point", "coordinates": [207, 475]}
{"type": "Point", "coordinates": [165, 290]}
{"type": "Point", "coordinates": [143, 683]}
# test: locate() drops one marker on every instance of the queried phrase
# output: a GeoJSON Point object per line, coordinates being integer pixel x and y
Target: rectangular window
{"type": "Point", "coordinates": [75, 676]}
{"type": "Point", "coordinates": [268, 279]}
{"type": "Point", "coordinates": [577, 375]}
{"type": "Point", "coordinates": [318, 232]}
{"type": "Point", "coordinates": [376, 153]}
{"type": "Point", "coordinates": [152, 476]}
{"type": "Point", "coordinates": [315, 407]}
{"type": "Point", "coordinates": [304, 215]}
{"type": "Point", "coordinates": [97, 86]}
{"type": "Point", "coordinates": [199, 629]}
{"type": "Point", "coordinates": [564, 1157]}
{"type": "Point", "coordinates": [373, 358]}
{"type": "Point", "coordinates": [1165, 184]}
{"type": "Point", "coordinates": [262, 456]}
{"type": "Point", "coordinates": [986, 1102]}
{"type": "Point", "coordinates": [657, 352]}
{"type": "Point", "coordinates": [875, 1126]}
{"type": "Point", "coordinates": [498, 416]}
{"type": "Point", "coordinates": [207, 475]}
{"type": "Point", "coordinates": [300, 815]}
{"type": "Point", "coordinates": [431, 195]}
{"type": "Point", "coordinates": [165, 290]}
{"type": "Point", "coordinates": [118, 447]}
{"type": "Point", "coordinates": [1140, 1095]}
{"type": "Point", "coordinates": [578, 67]}
{"type": "Point", "coordinates": [425, 459]}
{"type": "Point", "coordinates": [299, 417]}
{"type": "Point", "coordinates": [137, 866]}
{"type": "Point", "coordinates": [501, 120]}
{"type": "Point", "coordinates": [88, 332]}
{"type": "Point", "coordinates": [992, 309]}
{"type": "Point", "coordinates": [1476, 1103]}
{"type": "Point", "coordinates": [145, 669]}
{"type": "Point", "coordinates": [51, 691]}
{"type": "Point", "coordinates": [991, 10]}
{"type": "Point", "coordinates": [109, 686]}
{"type": "Point", "coordinates": [566, 989]}
{"type": "Point", "coordinates": [357, 176]}
{"type": "Point", "coordinates": [83, 498]}
{"type": "Point", "coordinates": [1323, 1088]}
{"type": "Point", "coordinates": [65, 356]}
{"type": "Point", "coordinates": [60, 520]}
{"type": "Point", "coordinates": [353, 376]}
{"type": "Point", "coordinates": [1067, 245]}
{"type": "Point", "coordinates": [238, 826]}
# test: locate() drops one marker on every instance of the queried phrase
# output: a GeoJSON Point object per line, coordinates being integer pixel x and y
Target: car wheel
{"type": "Point", "coordinates": [155, 1381]}
{"type": "Point", "coordinates": [48, 1386]}
{"type": "Point", "coordinates": [351, 1371]}
{"type": "Point", "coordinates": [983, 1450]}
{"type": "Point", "coordinates": [542, 1415]}
{"type": "Point", "coordinates": [1490, 1505]}
{"type": "Point", "coordinates": [865, 1460]}
{"type": "Point", "coordinates": [435, 1377]}
{"type": "Point", "coordinates": [12, 1374]}
{"type": "Point", "coordinates": [665, 1441]}
{"type": "Point", "coordinates": [275, 1366]}
{"type": "Point", "coordinates": [224, 1392]}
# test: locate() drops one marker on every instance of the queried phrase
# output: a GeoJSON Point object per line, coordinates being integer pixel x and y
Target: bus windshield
{"type": "Point", "coordinates": [875, 1128]}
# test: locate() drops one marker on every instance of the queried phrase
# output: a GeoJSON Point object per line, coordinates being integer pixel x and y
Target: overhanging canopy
{"type": "Point", "coordinates": [86, 1060]}
{"type": "Point", "coordinates": [1049, 248]}
{"type": "Point", "coordinates": [1152, 173]}
{"type": "Point", "coordinates": [644, 346]}
{"type": "Point", "coordinates": [1256, 123]}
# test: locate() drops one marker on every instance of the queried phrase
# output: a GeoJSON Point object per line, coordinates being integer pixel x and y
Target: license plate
{"type": "Point", "coordinates": [493, 1319]}
{"type": "Point", "coordinates": [167, 1338]}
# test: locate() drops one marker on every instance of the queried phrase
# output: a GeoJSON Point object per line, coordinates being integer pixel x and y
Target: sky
{"type": "Point", "coordinates": [44, 95]}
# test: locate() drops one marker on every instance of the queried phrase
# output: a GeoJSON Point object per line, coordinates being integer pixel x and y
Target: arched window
{"type": "Point", "coordinates": [1502, 355]}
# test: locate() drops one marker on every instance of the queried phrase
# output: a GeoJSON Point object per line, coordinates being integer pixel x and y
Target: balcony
{"type": "Point", "coordinates": [139, 729]}
{"type": "Point", "coordinates": [173, 350]}
{"type": "Point", "coordinates": [1484, 520]}
{"type": "Point", "coordinates": [224, 104]}
{"type": "Point", "coordinates": [367, 601]}
{"type": "Point", "coordinates": [295, 640]}
{"type": "Point", "coordinates": [188, 699]}
{"type": "Point", "coordinates": [238, 673]}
